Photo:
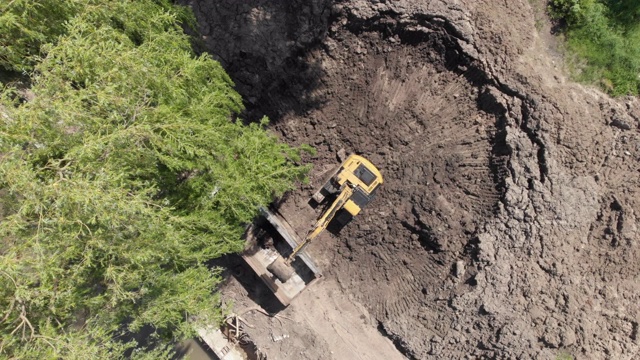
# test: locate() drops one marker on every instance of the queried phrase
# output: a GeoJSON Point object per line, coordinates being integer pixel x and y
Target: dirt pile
{"type": "Point", "coordinates": [507, 226]}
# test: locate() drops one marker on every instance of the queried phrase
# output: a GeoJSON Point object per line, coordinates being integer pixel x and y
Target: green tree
{"type": "Point", "coordinates": [120, 178]}
{"type": "Point", "coordinates": [25, 25]}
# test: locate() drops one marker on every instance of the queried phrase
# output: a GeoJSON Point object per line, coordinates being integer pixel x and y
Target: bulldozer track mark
{"type": "Point", "coordinates": [475, 165]}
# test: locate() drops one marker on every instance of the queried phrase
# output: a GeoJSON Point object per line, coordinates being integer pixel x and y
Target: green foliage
{"type": "Point", "coordinates": [25, 25]}
{"type": "Point", "coordinates": [564, 356]}
{"type": "Point", "coordinates": [119, 179]}
{"type": "Point", "coordinates": [606, 34]}
{"type": "Point", "coordinates": [625, 12]}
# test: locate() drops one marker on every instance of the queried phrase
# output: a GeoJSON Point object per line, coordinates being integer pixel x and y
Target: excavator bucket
{"type": "Point", "coordinates": [269, 241]}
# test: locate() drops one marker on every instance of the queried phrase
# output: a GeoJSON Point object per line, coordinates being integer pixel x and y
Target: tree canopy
{"type": "Point", "coordinates": [121, 174]}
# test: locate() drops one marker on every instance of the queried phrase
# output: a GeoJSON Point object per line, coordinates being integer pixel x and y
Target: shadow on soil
{"type": "Point", "coordinates": [257, 291]}
{"type": "Point", "coordinates": [263, 45]}
{"type": "Point", "coordinates": [193, 349]}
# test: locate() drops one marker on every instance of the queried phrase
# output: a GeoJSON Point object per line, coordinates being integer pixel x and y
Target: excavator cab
{"type": "Point", "coordinates": [362, 177]}
{"type": "Point", "coordinates": [355, 171]}
{"type": "Point", "coordinates": [352, 186]}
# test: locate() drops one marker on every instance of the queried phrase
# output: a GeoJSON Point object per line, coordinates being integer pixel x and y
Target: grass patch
{"type": "Point", "coordinates": [564, 356]}
{"type": "Point", "coordinates": [605, 37]}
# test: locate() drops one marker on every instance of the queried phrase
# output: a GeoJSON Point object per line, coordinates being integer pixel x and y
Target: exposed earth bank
{"type": "Point", "coordinates": [507, 225]}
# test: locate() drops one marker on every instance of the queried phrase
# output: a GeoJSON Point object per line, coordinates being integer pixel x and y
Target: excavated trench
{"type": "Point", "coordinates": [407, 96]}
{"type": "Point", "coordinates": [506, 227]}
{"type": "Point", "coordinates": [404, 93]}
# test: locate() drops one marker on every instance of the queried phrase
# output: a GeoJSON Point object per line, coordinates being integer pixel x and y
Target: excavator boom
{"type": "Point", "coordinates": [324, 221]}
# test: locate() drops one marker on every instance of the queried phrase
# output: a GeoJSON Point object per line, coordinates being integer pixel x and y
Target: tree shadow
{"type": "Point", "coordinates": [234, 266]}
{"type": "Point", "coordinates": [625, 13]}
{"type": "Point", "coordinates": [266, 46]}
{"type": "Point", "coordinates": [193, 348]}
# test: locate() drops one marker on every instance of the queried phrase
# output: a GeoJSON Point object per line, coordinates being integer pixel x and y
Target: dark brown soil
{"type": "Point", "coordinates": [507, 224]}
{"type": "Point", "coordinates": [441, 177]}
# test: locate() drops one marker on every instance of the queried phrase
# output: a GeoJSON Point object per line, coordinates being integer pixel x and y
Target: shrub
{"type": "Point", "coordinates": [606, 34]}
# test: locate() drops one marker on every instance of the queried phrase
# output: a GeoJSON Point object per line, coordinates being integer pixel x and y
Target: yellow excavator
{"type": "Point", "coordinates": [273, 249]}
{"type": "Point", "coordinates": [355, 183]}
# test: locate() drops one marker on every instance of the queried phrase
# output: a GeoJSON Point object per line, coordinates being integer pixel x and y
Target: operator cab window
{"type": "Point", "coordinates": [365, 175]}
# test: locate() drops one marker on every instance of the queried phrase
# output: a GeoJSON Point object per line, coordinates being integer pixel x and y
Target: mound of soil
{"type": "Point", "coordinates": [507, 224]}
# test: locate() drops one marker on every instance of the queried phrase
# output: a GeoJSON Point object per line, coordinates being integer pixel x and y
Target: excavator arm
{"type": "Point", "coordinates": [324, 221]}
